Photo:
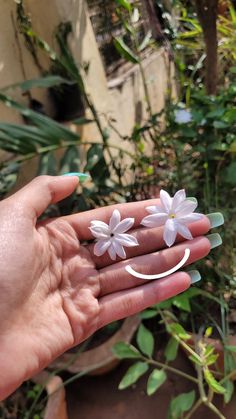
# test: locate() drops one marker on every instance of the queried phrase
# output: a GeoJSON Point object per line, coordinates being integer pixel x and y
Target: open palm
{"type": "Point", "coordinates": [54, 292]}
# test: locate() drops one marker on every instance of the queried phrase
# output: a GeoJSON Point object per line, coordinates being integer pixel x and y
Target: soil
{"type": "Point", "coordinates": [98, 397]}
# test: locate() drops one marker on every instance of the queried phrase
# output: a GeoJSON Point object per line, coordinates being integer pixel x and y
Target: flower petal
{"type": "Point", "coordinates": [190, 218]}
{"type": "Point", "coordinates": [166, 200]}
{"type": "Point", "coordinates": [97, 223]}
{"type": "Point", "coordinates": [185, 208]}
{"type": "Point", "coordinates": [179, 197]}
{"type": "Point", "coordinates": [123, 226]}
{"type": "Point", "coordinates": [184, 231]}
{"type": "Point", "coordinates": [112, 252]}
{"type": "Point", "coordinates": [154, 220]}
{"type": "Point", "coordinates": [119, 249]}
{"type": "Point", "coordinates": [126, 240]}
{"type": "Point", "coordinates": [101, 247]}
{"type": "Point", "coordinates": [114, 220]}
{"type": "Point", "coordinates": [155, 209]}
{"type": "Point", "coordinates": [170, 232]}
{"type": "Point", "coordinates": [100, 232]}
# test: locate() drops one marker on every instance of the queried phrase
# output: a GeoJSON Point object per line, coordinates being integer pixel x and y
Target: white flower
{"type": "Point", "coordinates": [183, 116]}
{"type": "Point", "coordinates": [110, 237]}
{"type": "Point", "coordinates": [174, 213]}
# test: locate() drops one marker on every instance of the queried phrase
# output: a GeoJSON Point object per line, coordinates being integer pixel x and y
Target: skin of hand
{"type": "Point", "coordinates": [54, 293]}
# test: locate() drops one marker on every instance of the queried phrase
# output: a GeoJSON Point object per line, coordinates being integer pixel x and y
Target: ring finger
{"type": "Point", "coordinates": [115, 278]}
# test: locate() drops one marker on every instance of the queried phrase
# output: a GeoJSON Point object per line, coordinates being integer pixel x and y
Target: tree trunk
{"type": "Point", "coordinates": [207, 15]}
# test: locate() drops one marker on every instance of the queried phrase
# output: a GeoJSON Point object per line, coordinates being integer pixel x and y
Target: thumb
{"type": "Point", "coordinates": [42, 191]}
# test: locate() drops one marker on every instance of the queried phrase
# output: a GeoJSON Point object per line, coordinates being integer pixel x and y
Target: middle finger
{"type": "Point", "coordinates": [150, 240]}
{"type": "Point", "coordinates": [116, 278]}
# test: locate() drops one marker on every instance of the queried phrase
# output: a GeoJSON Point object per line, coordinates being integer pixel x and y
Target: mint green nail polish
{"type": "Point", "coordinates": [195, 276]}
{"type": "Point", "coordinates": [216, 219]}
{"type": "Point", "coordinates": [82, 176]}
{"type": "Point", "coordinates": [215, 240]}
{"type": "Point", "coordinates": [191, 198]}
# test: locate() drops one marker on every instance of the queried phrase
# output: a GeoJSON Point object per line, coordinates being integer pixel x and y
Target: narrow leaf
{"type": "Point", "coordinates": [45, 82]}
{"type": "Point", "coordinates": [125, 51]}
{"type": "Point", "coordinates": [229, 390]}
{"type": "Point", "coordinates": [178, 330]}
{"type": "Point", "coordinates": [213, 384]}
{"type": "Point", "coordinates": [125, 4]}
{"type": "Point", "coordinates": [230, 348]}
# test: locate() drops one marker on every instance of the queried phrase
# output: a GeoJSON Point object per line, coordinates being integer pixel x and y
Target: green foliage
{"type": "Point", "coordinates": [181, 404]}
{"type": "Point", "coordinates": [155, 381]}
{"type": "Point", "coordinates": [133, 374]}
{"type": "Point", "coordinates": [145, 340]}
{"type": "Point", "coordinates": [125, 351]}
{"type": "Point", "coordinates": [171, 349]}
{"type": "Point", "coordinates": [125, 51]}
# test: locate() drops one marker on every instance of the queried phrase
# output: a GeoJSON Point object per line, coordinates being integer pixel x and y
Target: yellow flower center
{"type": "Point", "coordinates": [172, 216]}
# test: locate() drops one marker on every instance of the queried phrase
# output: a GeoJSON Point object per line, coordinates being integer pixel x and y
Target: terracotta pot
{"type": "Point", "coordinates": [219, 364]}
{"type": "Point", "coordinates": [56, 405]}
{"type": "Point", "coordinates": [100, 359]}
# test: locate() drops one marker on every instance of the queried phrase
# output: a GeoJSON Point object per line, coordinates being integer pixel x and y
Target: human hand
{"type": "Point", "coordinates": [54, 292]}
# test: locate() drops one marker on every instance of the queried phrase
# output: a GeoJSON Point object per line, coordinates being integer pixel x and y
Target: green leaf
{"type": "Point", "coordinates": [155, 380]}
{"type": "Point", "coordinates": [213, 384]}
{"type": "Point", "coordinates": [95, 153]}
{"type": "Point", "coordinates": [145, 41]}
{"type": "Point", "coordinates": [133, 374]}
{"type": "Point", "coordinates": [70, 162]}
{"type": "Point", "coordinates": [44, 82]}
{"type": "Point", "coordinates": [217, 113]}
{"type": "Point", "coordinates": [125, 4]}
{"type": "Point", "coordinates": [48, 127]}
{"type": "Point", "coordinates": [148, 314]}
{"type": "Point", "coordinates": [124, 350]}
{"type": "Point", "coordinates": [125, 51]}
{"type": "Point", "coordinates": [195, 359]}
{"type": "Point", "coordinates": [230, 348]}
{"type": "Point", "coordinates": [47, 165]}
{"type": "Point", "coordinates": [178, 330]}
{"type": "Point", "coordinates": [229, 390]}
{"type": "Point", "coordinates": [145, 340]}
{"type": "Point", "coordinates": [220, 124]}
{"type": "Point", "coordinates": [212, 359]}
{"type": "Point", "coordinates": [182, 302]}
{"type": "Point", "coordinates": [171, 349]}
{"type": "Point", "coordinates": [82, 121]}
{"type": "Point", "coordinates": [208, 332]}
{"type": "Point", "coordinates": [230, 174]}
{"type": "Point", "coordinates": [181, 404]}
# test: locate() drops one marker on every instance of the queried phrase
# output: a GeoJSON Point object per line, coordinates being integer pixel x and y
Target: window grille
{"type": "Point", "coordinates": [107, 25]}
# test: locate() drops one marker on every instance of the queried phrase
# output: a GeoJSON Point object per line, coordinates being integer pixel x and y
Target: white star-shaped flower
{"type": "Point", "coordinates": [111, 237]}
{"type": "Point", "coordinates": [174, 213]}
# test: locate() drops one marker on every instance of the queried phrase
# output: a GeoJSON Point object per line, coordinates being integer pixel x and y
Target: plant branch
{"type": "Point", "coordinates": [171, 369]}
{"type": "Point", "coordinates": [194, 408]}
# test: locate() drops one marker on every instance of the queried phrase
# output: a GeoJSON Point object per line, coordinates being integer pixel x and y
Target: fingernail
{"type": "Point", "coordinates": [216, 219]}
{"type": "Point", "coordinates": [215, 240]}
{"type": "Point", "coordinates": [195, 276]}
{"type": "Point", "coordinates": [191, 198]}
{"type": "Point", "coordinates": [82, 176]}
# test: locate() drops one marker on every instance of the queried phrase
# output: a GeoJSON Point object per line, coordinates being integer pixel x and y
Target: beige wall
{"type": "Point", "coordinates": [121, 98]}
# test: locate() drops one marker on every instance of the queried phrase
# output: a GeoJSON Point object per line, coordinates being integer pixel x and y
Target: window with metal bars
{"type": "Point", "coordinates": [107, 25]}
